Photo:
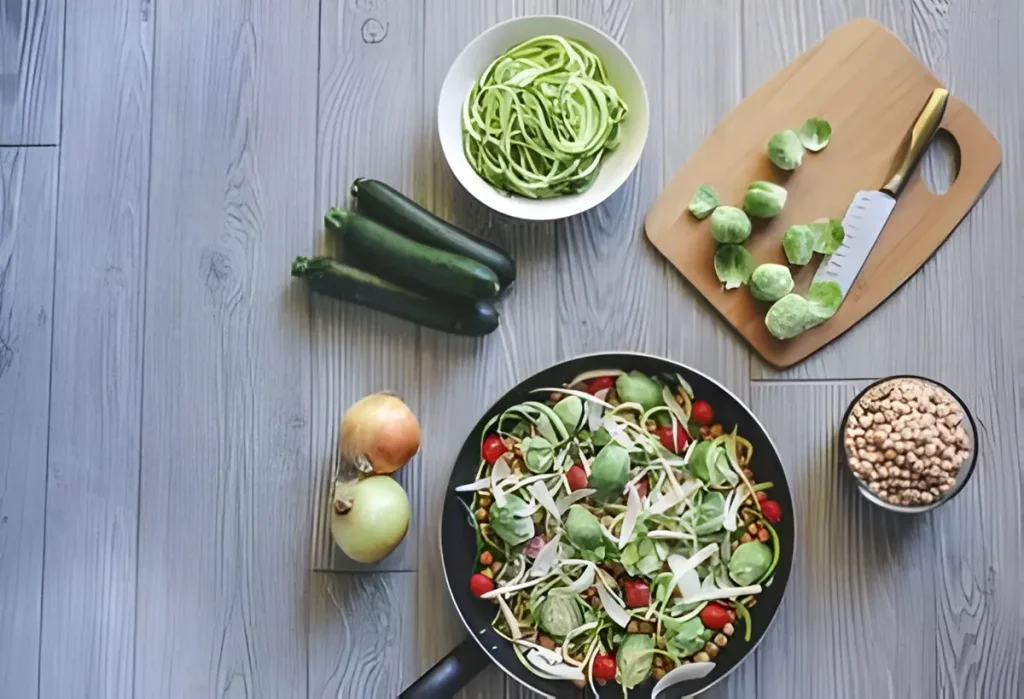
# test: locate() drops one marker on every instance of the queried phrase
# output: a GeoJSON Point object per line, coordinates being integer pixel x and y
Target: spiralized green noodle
{"type": "Point", "coordinates": [541, 117]}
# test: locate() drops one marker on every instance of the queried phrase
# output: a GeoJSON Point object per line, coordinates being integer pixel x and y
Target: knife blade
{"type": "Point", "coordinates": [870, 210]}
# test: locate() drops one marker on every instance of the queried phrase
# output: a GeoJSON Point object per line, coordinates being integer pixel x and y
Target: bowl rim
{"type": "Point", "coordinates": [525, 212]}
{"type": "Point", "coordinates": [862, 489]}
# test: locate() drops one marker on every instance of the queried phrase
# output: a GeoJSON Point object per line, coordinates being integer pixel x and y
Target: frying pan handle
{"type": "Point", "coordinates": [451, 674]}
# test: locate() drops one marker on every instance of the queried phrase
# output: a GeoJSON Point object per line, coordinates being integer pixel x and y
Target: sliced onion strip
{"type": "Point", "coordinates": [566, 501]}
{"type": "Point", "coordinates": [683, 673]}
{"type": "Point", "coordinates": [632, 513]}
{"type": "Point", "coordinates": [481, 484]}
{"type": "Point", "coordinates": [510, 619]}
{"type": "Point", "coordinates": [543, 496]}
{"type": "Point", "coordinates": [615, 611]}
{"type": "Point", "coordinates": [547, 557]}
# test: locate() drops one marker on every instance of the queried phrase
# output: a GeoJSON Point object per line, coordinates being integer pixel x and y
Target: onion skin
{"type": "Point", "coordinates": [379, 434]}
{"type": "Point", "coordinates": [370, 517]}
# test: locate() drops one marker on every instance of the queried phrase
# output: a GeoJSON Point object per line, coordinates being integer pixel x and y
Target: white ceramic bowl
{"type": "Point", "coordinates": [481, 52]}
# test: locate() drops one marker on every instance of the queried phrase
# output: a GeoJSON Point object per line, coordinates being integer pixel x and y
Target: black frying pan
{"type": "Point", "coordinates": [458, 546]}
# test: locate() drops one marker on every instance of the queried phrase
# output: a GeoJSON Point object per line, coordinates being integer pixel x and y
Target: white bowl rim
{"type": "Point", "coordinates": [520, 207]}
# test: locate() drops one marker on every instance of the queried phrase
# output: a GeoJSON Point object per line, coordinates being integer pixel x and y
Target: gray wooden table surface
{"type": "Point", "coordinates": [169, 398]}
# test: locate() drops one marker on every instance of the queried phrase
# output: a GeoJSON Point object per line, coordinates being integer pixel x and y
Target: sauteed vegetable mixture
{"type": "Point", "coordinates": [620, 530]}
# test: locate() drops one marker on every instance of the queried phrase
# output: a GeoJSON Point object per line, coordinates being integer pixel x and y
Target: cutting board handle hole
{"type": "Point", "coordinates": [941, 163]}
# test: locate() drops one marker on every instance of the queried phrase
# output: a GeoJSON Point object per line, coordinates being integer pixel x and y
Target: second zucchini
{"type": "Point", "coordinates": [419, 266]}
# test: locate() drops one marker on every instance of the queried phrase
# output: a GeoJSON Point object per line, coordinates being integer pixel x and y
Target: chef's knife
{"type": "Point", "coordinates": [870, 210]}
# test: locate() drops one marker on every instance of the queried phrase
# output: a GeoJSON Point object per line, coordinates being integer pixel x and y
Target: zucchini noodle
{"type": "Point", "coordinates": [539, 120]}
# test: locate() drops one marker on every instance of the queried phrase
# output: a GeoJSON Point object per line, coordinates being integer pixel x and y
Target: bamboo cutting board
{"type": "Point", "coordinates": [870, 87]}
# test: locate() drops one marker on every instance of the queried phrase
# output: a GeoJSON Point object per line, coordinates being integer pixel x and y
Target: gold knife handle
{"type": "Point", "coordinates": [922, 133]}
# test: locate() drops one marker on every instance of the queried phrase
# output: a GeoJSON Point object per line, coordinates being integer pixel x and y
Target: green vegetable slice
{"type": "Point", "coordinates": [763, 200]}
{"type": "Point", "coordinates": [815, 134]}
{"type": "Point", "coordinates": [798, 244]}
{"type": "Point", "coordinates": [704, 201]}
{"type": "Point", "coordinates": [788, 317]}
{"type": "Point", "coordinates": [785, 150]}
{"type": "Point", "coordinates": [730, 225]}
{"type": "Point", "coordinates": [733, 265]}
{"type": "Point", "coordinates": [828, 235]}
{"type": "Point", "coordinates": [634, 659]}
{"type": "Point", "coordinates": [770, 282]}
{"type": "Point", "coordinates": [541, 117]}
{"type": "Point", "coordinates": [826, 295]}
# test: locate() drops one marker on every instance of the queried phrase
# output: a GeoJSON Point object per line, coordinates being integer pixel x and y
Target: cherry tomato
{"type": "Point", "coordinates": [638, 593]}
{"type": "Point", "coordinates": [479, 584]}
{"type": "Point", "coordinates": [604, 667]}
{"type": "Point", "coordinates": [577, 477]}
{"type": "Point", "coordinates": [665, 435]}
{"type": "Point", "coordinates": [643, 487]}
{"type": "Point", "coordinates": [702, 413]}
{"type": "Point", "coordinates": [599, 384]}
{"type": "Point", "coordinates": [771, 511]}
{"type": "Point", "coordinates": [492, 448]}
{"type": "Point", "coordinates": [714, 616]}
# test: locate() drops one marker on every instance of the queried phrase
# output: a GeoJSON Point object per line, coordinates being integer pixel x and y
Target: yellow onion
{"type": "Point", "coordinates": [369, 518]}
{"type": "Point", "coordinates": [379, 434]}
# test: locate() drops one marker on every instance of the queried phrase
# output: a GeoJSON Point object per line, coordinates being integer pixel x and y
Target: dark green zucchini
{"type": "Point", "coordinates": [412, 264]}
{"type": "Point", "coordinates": [389, 206]}
{"type": "Point", "coordinates": [327, 276]}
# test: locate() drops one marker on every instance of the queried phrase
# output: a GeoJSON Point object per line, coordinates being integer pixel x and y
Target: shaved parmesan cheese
{"type": "Point", "coordinates": [551, 663]}
{"type": "Point", "coordinates": [689, 584]}
{"type": "Point", "coordinates": [595, 409]}
{"type": "Point", "coordinates": [725, 593]}
{"type": "Point", "coordinates": [683, 673]}
{"type": "Point", "coordinates": [499, 472]}
{"type": "Point", "coordinates": [585, 462]}
{"type": "Point", "coordinates": [572, 634]}
{"type": "Point", "coordinates": [566, 501]}
{"type": "Point", "coordinates": [667, 534]}
{"type": "Point", "coordinates": [585, 580]}
{"type": "Point", "coordinates": [667, 502]}
{"type": "Point", "coordinates": [510, 619]}
{"type": "Point", "coordinates": [498, 592]}
{"type": "Point", "coordinates": [632, 513]}
{"type": "Point", "coordinates": [617, 432]}
{"type": "Point", "coordinates": [680, 565]}
{"type": "Point", "coordinates": [595, 374]}
{"type": "Point", "coordinates": [546, 558]}
{"type": "Point", "coordinates": [677, 410]}
{"type": "Point", "coordinates": [611, 606]}
{"type": "Point", "coordinates": [540, 492]}
{"type": "Point", "coordinates": [514, 482]}
{"type": "Point", "coordinates": [733, 503]}
{"type": "Point", "coordinates": [474, 486]}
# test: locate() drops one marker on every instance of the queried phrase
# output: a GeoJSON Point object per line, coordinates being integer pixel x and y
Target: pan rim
{"type": "Point", "coordinates": [646, 355]}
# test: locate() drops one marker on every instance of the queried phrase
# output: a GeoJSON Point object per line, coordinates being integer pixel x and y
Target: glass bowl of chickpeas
{"type": "Point", "coordinates": [909, 442]}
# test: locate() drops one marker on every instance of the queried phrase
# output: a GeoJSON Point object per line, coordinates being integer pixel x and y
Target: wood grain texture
{"type": "Point", "coordinates": [864, 59]}
{"type": "Point", "coordinates": [980, 556]}
{"type": "Point", "coordinates": [609, 280]}
{"type": "Point", "coordinates": [28, 193]}
{"type": "Point", "coordinates": [31, 57]}
{"type": "Point", "coordinates": [225, 483]}
{"type": "Point", "coordinates": [863, 579]}
{"type": "Point", "coordinates": [92, 516]}
{"type": "Point", "coordinates": [703, 80]}
{"type": "Point", "coordinates": [370, 59]}
{"type": "Point", "coordinates": [927, 311]}
{"type": "Point", "coordinates": [362, 640]}
{"type": "Point", "coordinates": [469, 374]}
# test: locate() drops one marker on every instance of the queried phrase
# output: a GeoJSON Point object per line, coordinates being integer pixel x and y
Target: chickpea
{"type": "Point", "coordinates": [481, 514]}
{"type": "Point", "coordinates": [752, 530]}
{"type": "Point", "coordinates": [720, 639]}
{"type": "Point", "coordinates": [763, 536]}
{"type": "Point", "coordinates": [715, 431]}
{"type": "Point", "coordinates": [658, 672]}
{"type": "Point", "coordinates": [711, 649]}
{"type": "Point", "coordinates": [496, 566]}
{"type": "Point", "coordinates": [728, 630]}
{"type": "Point", "coordinates": [702, 657]}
